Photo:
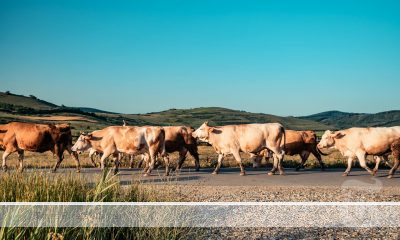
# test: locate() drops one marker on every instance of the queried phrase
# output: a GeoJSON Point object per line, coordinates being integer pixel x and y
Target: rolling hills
{"type": "Point", "coordinates": [15, 107]}
{"type": "Point", "coordinates": [342, 120]}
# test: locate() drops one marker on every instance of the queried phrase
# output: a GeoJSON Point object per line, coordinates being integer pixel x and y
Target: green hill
{"type": "Point", "coordinates": [342, 120]}
{"type": "Point", "coordinates": [20, 101]}
{"type": "Point", "coordinates": [215, 115]}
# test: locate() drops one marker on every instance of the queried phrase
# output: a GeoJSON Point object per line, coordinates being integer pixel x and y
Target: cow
{"type": "Point", "coordinates": [248, 138]}
{"type": "Point", "coordinates": [297, 142]}
{"type": "Point", "coordinates": [179, 139]}
{"type": "Point", "coordinates": [360, 142]}
{"type": "Point", "coordinates": [20, 137]}
{"type": "Point", "coordinates": [395, 147]}
{"type": "Point", "coordinates": [123, 139]}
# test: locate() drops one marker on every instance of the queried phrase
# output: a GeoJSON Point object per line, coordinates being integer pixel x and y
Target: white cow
{"type": "Point", "coordinates": [249, 138]}
{"type": "Point", "coordinates": [360, 142]}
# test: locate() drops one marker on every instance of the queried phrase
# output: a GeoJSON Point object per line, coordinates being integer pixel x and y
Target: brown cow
{"type": "Point", "coordinates": [20, 137]}
{"type": "Point", "coordinates": [180, 139]}
{"type": "Point", "coordinates": [360, 142]}
{"type": "Point", "coordinates": [297, 142]}
{"type": "Point", "coordinates": [249, 138]}
{"type": "Point", "coordinates": [129, 140]}
{"type": "Point", "coordinates": [395, 147]}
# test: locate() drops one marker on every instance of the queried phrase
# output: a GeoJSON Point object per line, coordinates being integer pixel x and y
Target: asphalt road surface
{"type": "Point", "coordinates": [253, 177]}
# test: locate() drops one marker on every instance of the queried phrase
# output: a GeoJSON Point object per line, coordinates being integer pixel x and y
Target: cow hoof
{"type": "Point", "coordinates": [214, 173]}
{"type": "Point", "coordinates": [146, 175]}
{"type": "Point", "coordinates": [197, 169]}
{"type": "Point", "coordinates": [270, 173]}
{"type": "Point", "coordinates": [242, 173]}
{"type": "Point", "coordinates": [282, 173]}
{"type": "Point", "coordinates": [78, 171]}
{"type": "Point", "coordinates": [345, 174]}
{"type": "Point", "coordinates": [390, 176]}
{"type": "Point", "coordinates": [4, 168]}
{"type": "Point", "coordinates": [374, 173]}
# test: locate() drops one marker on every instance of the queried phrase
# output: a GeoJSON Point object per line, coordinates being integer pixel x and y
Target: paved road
{"type": "Point", "coordinates": [230, 177]}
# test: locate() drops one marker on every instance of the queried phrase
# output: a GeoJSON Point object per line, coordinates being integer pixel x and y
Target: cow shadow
{"type": "Point", "coordinates": [158, 180]}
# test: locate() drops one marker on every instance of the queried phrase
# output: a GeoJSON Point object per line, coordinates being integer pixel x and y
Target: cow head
{"type": "Point", "coordinates": [203, 132]}
{"type": "Point", "coordinates": [83, 143]}
{"type": "Point", "coordinates": [328, 139]}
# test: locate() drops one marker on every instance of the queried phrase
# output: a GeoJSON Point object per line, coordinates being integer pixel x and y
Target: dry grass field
{"type": "Point", "coordinates": [59, 118]}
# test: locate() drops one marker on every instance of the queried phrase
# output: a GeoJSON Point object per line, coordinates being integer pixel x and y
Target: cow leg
{"type": "Point", "coordinates": [348, 169]}
{"type": "Point", "coordinates": [220, 157]}
{"type": "Point", "coordinates": [319, 158]}
{"type": "Point", "coordinates": [21, 160]}
{"type": "Point", "coordinates": [278, 157]}
{"type": "Point", "coordinates": [236, 155]}
{"type": "Point", "coordinates": [152, 162]}
{"type": "Point", "coordinates": [274, 167]}
{"type": "Point", "coordinates": [256, 160]}
{"type": "Point", "coordinates": [103, 159]}
{"type": "Point", "coordinates": [377, 162]}
{"type": "Point", "coordinates": [141, 161]}
{"type": "Point", "coordinates": [280, 162]}
{"type": "Point", "coordinates": [92, 153]}
{"type": "Point", "coordinates": [304, 156]}
{"type": "Point", "coordinates": [193, 151]}
{"type": "Point", "coordinates": [131, 161]}
{"type": "Point", "coordinates": [181, 160]}
{"type": "Point", "coordinates": [395, 166]}
{"type": "Point", "coordinates": [60, 157]}
{"type": "Point", "coordinates": [361, 158]}
{"type": "Point", "coordinates": [75, 156]}
{"type": "Point", "coordinates": [166, 162]}
{"type": "Point", "coordinates": [5, 155]}
{"type": "Point", "coordinates": [116, 158]}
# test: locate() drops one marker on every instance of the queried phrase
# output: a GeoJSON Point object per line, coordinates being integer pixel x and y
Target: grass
{"type": "Point", "coordinates": [44, 187]}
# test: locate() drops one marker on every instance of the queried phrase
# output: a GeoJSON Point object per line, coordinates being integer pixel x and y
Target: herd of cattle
{"type": "Point", "coordinates": [269, 140]}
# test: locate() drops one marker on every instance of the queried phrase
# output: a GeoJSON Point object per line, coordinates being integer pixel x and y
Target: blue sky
{"type": "Point", "coordinates": [278, 57]}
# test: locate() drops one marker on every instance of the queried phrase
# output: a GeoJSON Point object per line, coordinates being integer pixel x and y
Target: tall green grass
{"type": "Point", "coordinates": [45, 187]}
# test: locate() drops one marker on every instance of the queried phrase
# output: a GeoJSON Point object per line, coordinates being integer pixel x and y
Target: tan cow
{"type": "Point", "coordinates": [177, 139]}
{"type": "Point", "coordinates": [297, 142]}
{"type": "Point", "coordinates": [19, 137]}
{"type": "Point", "coordinates": [249, 138]}
{"type": "Point", "coordinates": [129, 140]}
{"type": "Point", "coordinates": [360, 142]}
{"type": "Point", "coordinates": [395, 147]}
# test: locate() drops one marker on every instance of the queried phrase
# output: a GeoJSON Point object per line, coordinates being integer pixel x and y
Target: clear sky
{"type": "Point", "coordinates": [278, 57]}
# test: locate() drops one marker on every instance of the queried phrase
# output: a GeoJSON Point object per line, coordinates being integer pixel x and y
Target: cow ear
{"type": "Point", "coordinates": [338, 135]}
{"type": "Point", "coordinates": [88, 136]}
{"type": "Point", "coordinates": [210, 129]}
{"type": "Point", "coordinates": [206, 123]}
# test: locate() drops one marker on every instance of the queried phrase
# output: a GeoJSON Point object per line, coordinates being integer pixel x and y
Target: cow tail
{"type": "Point", "coordinates": [283, 143]}
{"type": "Point", "coordinates": [161, 138]}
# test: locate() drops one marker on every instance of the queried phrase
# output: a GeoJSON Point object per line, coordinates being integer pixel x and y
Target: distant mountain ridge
{"type": "Point", "coordinates": [342, 120]}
